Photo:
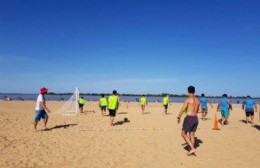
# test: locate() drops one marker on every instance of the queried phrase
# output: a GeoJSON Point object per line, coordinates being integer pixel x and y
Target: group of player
{"type": "Point", "coordinates": [191, 107]}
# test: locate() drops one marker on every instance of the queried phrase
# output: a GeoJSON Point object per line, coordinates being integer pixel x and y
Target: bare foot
{"type": "Point", "coordinates": [191, 152]}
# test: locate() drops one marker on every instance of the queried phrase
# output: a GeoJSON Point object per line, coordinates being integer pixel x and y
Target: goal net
{"type": "Point", "coordinates": [71, 107]}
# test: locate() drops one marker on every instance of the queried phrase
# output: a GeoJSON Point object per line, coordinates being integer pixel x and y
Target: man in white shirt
{"type": "Point", "coordinates": [40, 109]}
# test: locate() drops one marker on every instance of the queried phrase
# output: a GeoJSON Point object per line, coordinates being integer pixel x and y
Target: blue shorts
{"type": "Point", "coordinates": [40, 114]}
{"type": "Point", "coordinates": [225, 112]}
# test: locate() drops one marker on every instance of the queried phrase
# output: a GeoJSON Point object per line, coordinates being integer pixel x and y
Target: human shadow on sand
{"type": "Point", "coordinates": [169, 113]}
{"type": "Point", "coordinates": [64, 126]}
{"type": "Point", "coordinates": [196, 145]}
{"type": "Point", "coordinates": [257, 127]}
{"type": "Point", "coordinates": [122, 113]}
{"type": "Point", "coordinates": [87, 112]}
{"type": "Point", "coordinates": [146, 113]}
{"type": "Point", "coordinates": [125, 120]}
{"type": "Point", "coordinates": [243, 121]}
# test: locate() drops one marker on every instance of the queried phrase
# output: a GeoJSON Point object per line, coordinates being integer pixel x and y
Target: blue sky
{"type": "Point", "coordinates": [134, 46]}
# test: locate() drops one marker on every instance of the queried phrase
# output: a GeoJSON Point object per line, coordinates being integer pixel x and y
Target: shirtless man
{"type": "Point", "coordinates": [190, 122]}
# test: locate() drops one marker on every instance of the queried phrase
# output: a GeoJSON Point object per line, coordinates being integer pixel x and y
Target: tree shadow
{"type": "Point", "coordinates": [64, 126]}
{"type": "Point", "coordinates": [257, 127]}
{"type": "Point", "coordinates": [125, 120]}
{"type": "Point", "coordinates": [196, 145]}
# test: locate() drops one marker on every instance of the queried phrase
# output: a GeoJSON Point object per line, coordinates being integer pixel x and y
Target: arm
{"type": "Point", "coordinates": [255, 107]}
{"type": "Point", "coordinates": [218, 107]}
{"type": "Point", "coordinates": [43, 106]}
{"type": "Point", "coordinates": [210, 103]}
{"type": "Point", "coordinates": [230, 105]}
{"type": "Point", "coordinates": [185, 105]}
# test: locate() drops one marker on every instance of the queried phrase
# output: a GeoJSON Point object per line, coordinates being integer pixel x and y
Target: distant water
{"type": "Point", "coordinates": [95, 98]}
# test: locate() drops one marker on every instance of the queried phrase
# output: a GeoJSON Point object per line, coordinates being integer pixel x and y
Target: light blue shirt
{"type": "Point", "coordinates": [203, 102]}
{"type": "Point", "coordinates": [249, 103]}
{"type": "Point", "coordinates": [224, 104]}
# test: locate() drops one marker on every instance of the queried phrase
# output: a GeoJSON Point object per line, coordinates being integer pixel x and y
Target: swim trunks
{"type": "Point", "coordinates": [190, 123]}
{"type": "Point", "coordinates": [225, 112]}
{"type": "Point", "coordinates": [112, 113]}
{"type": "Point", "coordinates": [40, 114]}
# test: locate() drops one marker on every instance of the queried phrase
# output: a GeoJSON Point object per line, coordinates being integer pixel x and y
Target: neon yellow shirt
{"type": "Point", "coordinates": [103, 101]}
{"type": "Point", "coordinates": [112, 102]}
{"type": "Point", "coordinates": [143, 101]}
{"type": "Point", "coordinates": [166, 100]}
{"type": "Point", "coordinates": [81, 101]}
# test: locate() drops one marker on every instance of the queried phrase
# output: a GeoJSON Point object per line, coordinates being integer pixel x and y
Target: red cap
{"type": "Point", "coordinates": [43, 90]}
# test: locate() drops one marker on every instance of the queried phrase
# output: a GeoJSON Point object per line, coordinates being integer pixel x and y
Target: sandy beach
{"type": "Point", "coordinates": [151, 140]}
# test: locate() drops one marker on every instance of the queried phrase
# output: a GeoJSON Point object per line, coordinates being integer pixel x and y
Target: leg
{"type": "Point", "coordinates": [247, 118]}
{"type": "Point", "coordinates": [111, 121]}
{"type": "Point", "coordinates": [223, 120]}
{"type": "Point", "coordinates": [45, 121]}
{"type": "Point", "coordinates": [35, 126]}
{"type": "Point", "coordinates": [187, 139]}
{"type": "Point", "coordinates": [203, 116]}
{"type": "Point", "coordinates": [252, 119]}
{"type": "Point", "coordinates": [192, 138]}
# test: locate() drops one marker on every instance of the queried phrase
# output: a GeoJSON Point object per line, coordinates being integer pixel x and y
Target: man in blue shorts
{"type": "Point", "coordinates": [40, 109]}
{"type": "Point", "coordinates": [224, 105]}
{"type": "Point", "coordinates": [250, 108]}
{"type": "Point", "coordinates": [204, 106]}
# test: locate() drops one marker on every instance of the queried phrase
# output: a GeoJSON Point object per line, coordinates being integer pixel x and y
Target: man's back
{"type": "Point", "coordinates": [193, 105]}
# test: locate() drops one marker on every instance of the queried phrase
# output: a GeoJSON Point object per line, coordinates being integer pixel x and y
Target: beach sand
{"type": "Point", "coordinates": [151, 140]}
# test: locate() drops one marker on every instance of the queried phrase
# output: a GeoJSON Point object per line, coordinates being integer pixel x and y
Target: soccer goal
{"type": "Point", "coordinates": [71, 107]}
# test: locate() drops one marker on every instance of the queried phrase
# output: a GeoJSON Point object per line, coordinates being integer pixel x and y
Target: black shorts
{"type": "Point", "coordinates": [250, 112]}
{"type": "Point", "coordinates": [166, 107]}
{"type": "Point", "coordinates": [190, 124]}
{"type": "Point", "coordinates": [81, 106]}
{"type": "Point", "coordinates": [103, 108]}
{"type": "Point", "coordinates": [112, 113]}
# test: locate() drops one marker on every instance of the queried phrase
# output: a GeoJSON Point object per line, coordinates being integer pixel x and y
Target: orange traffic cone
{"type": "Point", "coordinates": [216, 123]}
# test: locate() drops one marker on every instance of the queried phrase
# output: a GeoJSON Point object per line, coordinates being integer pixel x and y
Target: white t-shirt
{"type": "Point", "coordinates": [40, 99]}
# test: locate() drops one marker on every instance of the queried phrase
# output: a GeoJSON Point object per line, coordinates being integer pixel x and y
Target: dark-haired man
{"type": "Point", "coordinates": [204, 106]}
{"type": "Point", "coordinates": [250, 108]}
{"type": "Point", "coordinates": [113, 103]}
{"type": "Point", "coordinates": [224, 105]}
{"type": "Point", "coordinates": [190, 122]}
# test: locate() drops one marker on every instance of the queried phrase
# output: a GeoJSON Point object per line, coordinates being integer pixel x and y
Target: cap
{"type": "Point", "coordinates": [43, 90]}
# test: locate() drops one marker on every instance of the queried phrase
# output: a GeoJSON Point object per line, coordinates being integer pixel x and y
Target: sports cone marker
{"type": "Point", "coordinates": [216, 123]}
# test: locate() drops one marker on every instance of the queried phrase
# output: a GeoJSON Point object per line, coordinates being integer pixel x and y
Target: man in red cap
{"type": "Point", "coordinates": [41, 108]}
